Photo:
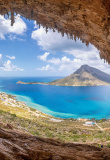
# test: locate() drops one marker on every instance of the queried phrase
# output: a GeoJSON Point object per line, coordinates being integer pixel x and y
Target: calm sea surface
{"type": "Point", "coordinates": [63, 102]}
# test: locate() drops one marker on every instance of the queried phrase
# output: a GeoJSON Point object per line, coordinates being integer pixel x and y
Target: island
{"type": "Point", "coordinates": [84, 76]}
{"type": "Point", "coordinates": [21, 82]}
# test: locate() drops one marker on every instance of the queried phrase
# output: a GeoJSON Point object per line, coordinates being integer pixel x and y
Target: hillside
{"type": "Point", "coordinates": [16, 145]}
{"type": "Point", "coordinates": [84, 76]}
{"type": "Point", "coordinates": [28, 134]}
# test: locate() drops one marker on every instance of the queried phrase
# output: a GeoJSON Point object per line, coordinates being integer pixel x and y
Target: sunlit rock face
{"type": "Point", "coordinates": [88, 20]}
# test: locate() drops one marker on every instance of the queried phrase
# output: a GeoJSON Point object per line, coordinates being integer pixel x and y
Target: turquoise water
{"type": "Point", "coordinates": [63, 102]}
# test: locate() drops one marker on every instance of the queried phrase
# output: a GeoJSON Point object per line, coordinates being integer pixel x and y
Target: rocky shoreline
{"type": "Point", "coordinates": [21, 82]}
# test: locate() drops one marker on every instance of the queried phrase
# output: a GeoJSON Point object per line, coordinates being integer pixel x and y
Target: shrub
{"type": "Point", "coordinates": [108, 145]}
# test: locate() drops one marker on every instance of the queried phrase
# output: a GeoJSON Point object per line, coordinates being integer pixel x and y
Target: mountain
{"type": "Point", "coordinates": [84, 76]}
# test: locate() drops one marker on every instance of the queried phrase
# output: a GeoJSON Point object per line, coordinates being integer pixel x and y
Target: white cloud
{"type": "Point", "coordinates": [18, 28]}
{"type": "Point", "coordinates": [19, 69]}
{"type": "Point", "coordinates": [35, 25]}
{"type": "Point", "coordinates": [53, 41]}
{"type": "Point", "coordinates": [92, 54]}
{"type": "Point", "coordinates": [14, 37]}
{"type": "Point", "coordinates": [55, 61]}
{"type": "Point", "coordinates": [77, 53]}
{"type": "Point", "coordinates": [91, 58]}
{"type": "Point", "coordinates": [44, 56]}
{"type": "Point", "coordinates": [58, 61]}
{"type": "Point", "coordinates": [11, 57]}
{"type": "Point", "coordinates": [1, 63]}
{"type": "Point", "coordinates": [67, 66]}
{"type": "Point", "coordinates": [0, 56]}
{"type": "Point", "coordinates": [45, 68]}
{"type": "Point", "coordinates": [65, 60]}
{"type": "Point", "coordinates": [8, 66]}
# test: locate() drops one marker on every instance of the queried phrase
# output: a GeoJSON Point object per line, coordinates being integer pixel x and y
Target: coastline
{"type": "Point", "coordinates": [11, 100]}
{"type": "Point", "coordinates": [49, 83]}
{"type": "Point", "coordinates": [44, 110]}
{"type": "Point", "coordinates": [19, 98]}
{"type": "Point", "coordinates": [18, 115]}
{"type": "Point", "coordinates": [21, 82]}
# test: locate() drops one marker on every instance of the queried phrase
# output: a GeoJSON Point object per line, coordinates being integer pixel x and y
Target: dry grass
{"type": "Point", "coordinates": [68, 130]}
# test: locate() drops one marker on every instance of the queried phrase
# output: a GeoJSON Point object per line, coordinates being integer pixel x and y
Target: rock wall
{"type": "Point", "coordinates": [15, 145]}
{"type": "Point", "coordinates": [88, 20]}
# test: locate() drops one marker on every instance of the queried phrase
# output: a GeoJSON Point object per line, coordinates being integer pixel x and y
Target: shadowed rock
{"type": "Point", "coordinates": [18, 146]}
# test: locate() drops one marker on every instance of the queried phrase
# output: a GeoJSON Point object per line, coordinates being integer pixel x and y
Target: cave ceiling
{"type": "Point", "coordinates": [88, 20]}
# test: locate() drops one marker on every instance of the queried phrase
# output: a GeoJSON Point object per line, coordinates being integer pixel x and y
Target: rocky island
{"type": "Point", "coordinates": [21, 82]}
{"type": "Point", "coordinates": [84, 76]}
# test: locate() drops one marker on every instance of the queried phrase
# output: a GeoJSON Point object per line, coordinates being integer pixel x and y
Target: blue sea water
{"type": "Point", "coordinates": [58, 101]}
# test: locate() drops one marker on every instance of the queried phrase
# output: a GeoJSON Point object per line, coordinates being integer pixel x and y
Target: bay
{"type": "Point", "coordinates": [58, 101]}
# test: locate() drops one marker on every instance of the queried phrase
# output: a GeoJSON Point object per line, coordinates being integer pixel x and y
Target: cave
{"type": "Point", "coordinates": [87, 20]}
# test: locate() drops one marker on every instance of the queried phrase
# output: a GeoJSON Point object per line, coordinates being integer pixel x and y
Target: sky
{"type": "Point", "coordinates": [26, 50]}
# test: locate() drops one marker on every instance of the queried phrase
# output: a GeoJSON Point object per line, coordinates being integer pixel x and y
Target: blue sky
{"type": "Point", "coordinates": [26, 50]}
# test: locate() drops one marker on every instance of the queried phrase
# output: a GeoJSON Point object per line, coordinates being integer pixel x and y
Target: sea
{"type": "Point", "coordinates": [60, 101]}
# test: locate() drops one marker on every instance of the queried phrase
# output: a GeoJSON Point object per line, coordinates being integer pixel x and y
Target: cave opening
{"type": "Point", "coordinates": [53, 80]}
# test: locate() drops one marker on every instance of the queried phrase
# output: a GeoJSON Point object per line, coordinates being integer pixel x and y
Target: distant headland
{"type": "Point", "coordinates": [84, 76]}
{"type": "Point", "coordinates": [21, 82]}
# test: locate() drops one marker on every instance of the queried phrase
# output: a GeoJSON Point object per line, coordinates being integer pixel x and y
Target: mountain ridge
{"type": "Point", "coordinates": [95, 72]}
{"type": "Point", "coordinates": [84, 76]}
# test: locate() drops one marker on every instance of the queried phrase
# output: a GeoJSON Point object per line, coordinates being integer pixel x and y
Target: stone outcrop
{"type": "Point", "coordinates": [88, 20]}
{"type": "Point", "coordinates": [16, 145]}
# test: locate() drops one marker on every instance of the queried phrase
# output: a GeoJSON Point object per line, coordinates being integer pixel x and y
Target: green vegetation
{"type": "Point", "coordinates": [32, 109]}
{"type": "Point", "coordinates": [70, 130]}
{"type": "Point", "coordinates": [9, 96]}
{"type": "Point", "coordinates": [108, 145]}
